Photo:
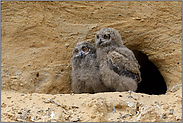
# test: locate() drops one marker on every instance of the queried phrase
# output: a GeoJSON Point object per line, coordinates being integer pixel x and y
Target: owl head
{"type": "Point", "coordinates": [107, 37]}
{"type": "Point", "coordinates": [83, 48]}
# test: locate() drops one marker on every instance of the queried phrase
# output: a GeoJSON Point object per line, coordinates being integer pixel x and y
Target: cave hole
{"type": "Point", "coordinates": [152, 80]}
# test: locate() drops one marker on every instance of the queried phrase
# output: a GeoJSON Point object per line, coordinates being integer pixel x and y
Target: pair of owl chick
{"type": "Point", "coordinates": [110, 66]}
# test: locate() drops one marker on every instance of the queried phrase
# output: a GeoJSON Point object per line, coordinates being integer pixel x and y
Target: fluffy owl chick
{"type": "Point", "coordinates": [85, 70]}
{"type": "Point", "coordinates": [119, 68]}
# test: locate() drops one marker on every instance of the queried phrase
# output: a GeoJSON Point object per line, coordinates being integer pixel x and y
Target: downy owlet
{"type": "Point", "coordinates": [118, 66]}
{"type": "Point", "coordinates": [85, 70]}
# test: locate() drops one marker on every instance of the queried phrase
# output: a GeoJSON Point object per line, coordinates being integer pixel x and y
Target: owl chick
{"type": "Point", "coordinates": [119, 68]}
{"type": "Point", "coordinates": [85, 70]}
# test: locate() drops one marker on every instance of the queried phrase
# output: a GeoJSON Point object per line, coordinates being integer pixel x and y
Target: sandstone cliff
{"type": "Point", "coordinates": [37, 39]}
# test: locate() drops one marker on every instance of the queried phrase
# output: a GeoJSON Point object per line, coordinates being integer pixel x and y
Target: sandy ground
{"type": "Point", "coordinates": [101, 107]}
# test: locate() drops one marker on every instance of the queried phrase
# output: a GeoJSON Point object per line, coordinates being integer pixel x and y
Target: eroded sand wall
{"type": "Point", "coordinates": [38, 39]}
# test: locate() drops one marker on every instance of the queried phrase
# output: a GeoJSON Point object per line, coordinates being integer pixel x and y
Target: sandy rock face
{"type": "Point", "coordinates": [100, 107]}
{"type": "Point", "coordinates": [38, 38]}
{"type": "Point", "coordinates": [37, 43]}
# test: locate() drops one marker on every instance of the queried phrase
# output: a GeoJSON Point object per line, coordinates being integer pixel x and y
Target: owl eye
{"type": "Point", "coordinates": [106, 36]}
{"type": "Point", "coordinates": [85, 49]}
{"type": "Point", "coordinates": [97, 36]}
{"type": "Point", "coordinates": [77, 51]}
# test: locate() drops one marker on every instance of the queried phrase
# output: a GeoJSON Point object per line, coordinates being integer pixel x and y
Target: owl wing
{"type": "Point", "coordinates": [123, 62]}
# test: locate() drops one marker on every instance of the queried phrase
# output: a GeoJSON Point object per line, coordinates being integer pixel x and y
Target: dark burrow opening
{"type": "Point", "coordinates": [152, 80]}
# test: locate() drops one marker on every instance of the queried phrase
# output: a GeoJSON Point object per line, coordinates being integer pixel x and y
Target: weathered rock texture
{"type": "Point", "coordinates": [101, 107]}
{"type": "Point", "coordinates": [37, 39]}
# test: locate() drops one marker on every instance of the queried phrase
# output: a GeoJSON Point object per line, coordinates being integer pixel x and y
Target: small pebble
{"type": "Point", "coordinates": [58, 104]}
{"type": "Point", "coordinates": [40, 110]}
{"type": "Point", "coordinates": [51, 100]}
{"type": "Point", "coordinates": [137, 18]}
{"type": "Point", "coordinates": [33, 119]}
{"type": "Point", "coordinates": [164, 116]}
{"type": "Point", "coordinates": [120, 96]}
{"type": "Point", "coordinates": [8, 97]}
{"type": "Point", "coordinates": [171, 111]}
{"type": "Point", "coordinates": [19, 112]}
{"type": "Point", "coordinates": [119, 14]}
{"type": "Point", "coordinates": [14, 77]}
{"type": "Point", "coordinates": [66, 45]}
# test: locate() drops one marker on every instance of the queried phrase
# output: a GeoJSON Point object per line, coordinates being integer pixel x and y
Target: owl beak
{"type": "Point", "coordinates": [80, 54]}
{"type": "Point", "coordinates": [100, 41]}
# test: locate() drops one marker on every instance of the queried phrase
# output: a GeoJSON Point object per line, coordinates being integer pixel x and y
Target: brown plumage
{"type": "Point", "coordinates": [119, 68]}
{"type": "Point", "coordinates": [85, 70]}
